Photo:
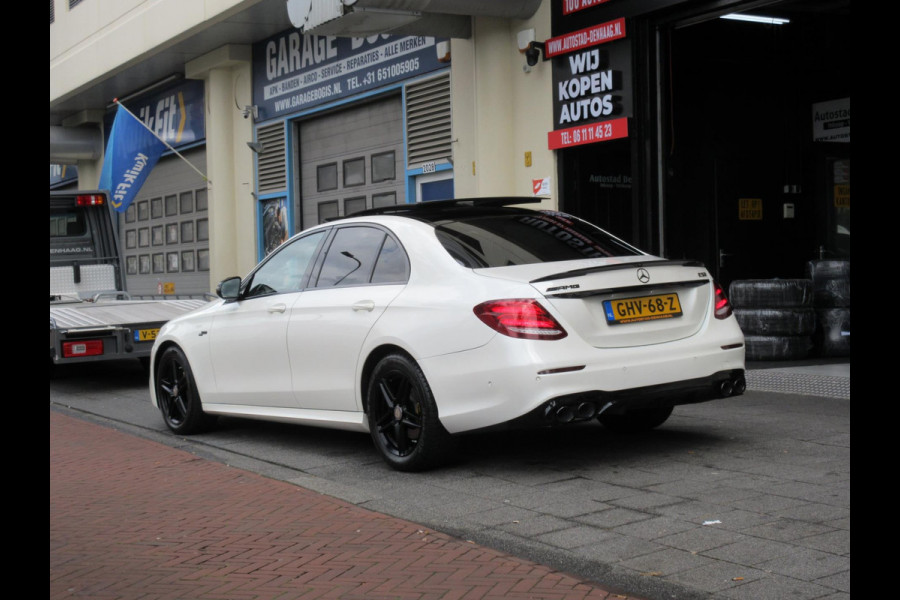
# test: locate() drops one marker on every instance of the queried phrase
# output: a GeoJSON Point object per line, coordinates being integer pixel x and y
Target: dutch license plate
{"type": "Point", "coordinates": [145, 335]}
{"type": "Point", "coordinates": [643, 308]}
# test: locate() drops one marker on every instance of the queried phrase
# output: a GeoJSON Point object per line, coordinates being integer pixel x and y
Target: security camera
{"type": "Point", "coordinates": [533, 53]}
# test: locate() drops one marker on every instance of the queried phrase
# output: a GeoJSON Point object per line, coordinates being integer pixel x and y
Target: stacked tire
{"type": "Point", "coordinates": [831, 290]}
{"type": "Point", "coordinates": [776, 315]}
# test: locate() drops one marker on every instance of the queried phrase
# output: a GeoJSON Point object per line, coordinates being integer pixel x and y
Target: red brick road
{"type": "Point", "coordinates": [136, 520]}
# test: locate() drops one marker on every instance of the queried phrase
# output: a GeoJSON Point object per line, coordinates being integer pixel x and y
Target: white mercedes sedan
{"type": "Point", "coordinates": [420, 322]}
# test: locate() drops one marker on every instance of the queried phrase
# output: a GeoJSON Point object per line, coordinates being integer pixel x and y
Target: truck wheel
{"type": "Point", "coordinates": [177, 396]}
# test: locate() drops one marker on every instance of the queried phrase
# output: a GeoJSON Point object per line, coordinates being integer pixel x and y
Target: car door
{"type": "Point", "coordinates": [248, 338]}
{"type": "Point", "coordinates": [364, 269]}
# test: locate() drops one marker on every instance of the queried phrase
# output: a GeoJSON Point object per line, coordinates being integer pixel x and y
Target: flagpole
{"type": "Point", "coordinates": [122, 106]}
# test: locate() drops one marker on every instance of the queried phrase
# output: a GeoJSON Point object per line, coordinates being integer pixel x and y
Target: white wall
{"type": "Point", "coordinates": [229, 161]}
{"type": "Point", "coordinates": [96, 37]}
{"type": "Point", "coordinates": [501, 111]}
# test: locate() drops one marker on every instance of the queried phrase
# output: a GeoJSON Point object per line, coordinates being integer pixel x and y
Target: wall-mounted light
{"type": "Point", "coordinates": [755, 19]}
{"type": "Point", "coordinates": [257, 147]}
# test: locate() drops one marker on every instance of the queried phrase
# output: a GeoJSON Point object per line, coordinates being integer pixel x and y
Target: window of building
{"type": "Point", "coordinates": [386, 199]}
{"type": "Point", "coordinates": [186, 202]}
{"type": "Point", "coordinates": [326, 177]}
{"type": "Point", "coordinates": [171, 206]}
{"type": "Point", "coordinates": [354, 172]}
{"type": "Point", "coordinates": [328, 210]}
{"type": "Point", "coordinates": [383, 167]}
{"type": "Point", "coordinates": [352, 205]}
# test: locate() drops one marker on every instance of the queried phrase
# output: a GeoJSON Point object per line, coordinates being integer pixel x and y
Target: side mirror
{"type": "Point", "coordinates": [229, 289]}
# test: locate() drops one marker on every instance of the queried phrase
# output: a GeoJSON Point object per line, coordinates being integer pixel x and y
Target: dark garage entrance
{"type": "Point", "coordinates": [753, 185]}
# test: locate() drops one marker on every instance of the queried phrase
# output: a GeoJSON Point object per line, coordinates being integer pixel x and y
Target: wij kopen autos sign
{"type": "Point", "coordinates": [591, 85]}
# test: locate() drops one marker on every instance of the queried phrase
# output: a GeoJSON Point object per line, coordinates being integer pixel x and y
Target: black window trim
{"type": "Point", "coordinates": [320, 260]}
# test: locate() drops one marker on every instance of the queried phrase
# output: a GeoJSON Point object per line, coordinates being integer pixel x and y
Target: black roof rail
{"type": "Point", "coordinates": [437, 205]}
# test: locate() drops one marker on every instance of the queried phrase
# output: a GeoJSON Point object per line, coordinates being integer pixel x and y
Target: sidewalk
{"type": "Point", "coordinates": [134, 519]}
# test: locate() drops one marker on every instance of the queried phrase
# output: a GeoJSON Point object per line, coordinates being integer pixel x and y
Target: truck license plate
{"type": "Point", "coordinates": [145, 335]}
{"type": "Point", "coordinates": [643, 308]}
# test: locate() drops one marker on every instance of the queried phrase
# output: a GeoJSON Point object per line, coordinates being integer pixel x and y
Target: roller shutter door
{"type": "Point", "coordinates": [351, 160]}
{"type": "Point", "coordinates": [164, 234]}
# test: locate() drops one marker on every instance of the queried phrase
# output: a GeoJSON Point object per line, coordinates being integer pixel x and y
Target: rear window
{"type": "Point", "coordinates": [67, 222]}
{"type": "Point", "coordinates": [517, 239]}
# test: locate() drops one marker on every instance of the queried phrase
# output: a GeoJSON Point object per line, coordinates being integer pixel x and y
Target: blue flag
{"type": "Point", "coordinates": [131, 153]}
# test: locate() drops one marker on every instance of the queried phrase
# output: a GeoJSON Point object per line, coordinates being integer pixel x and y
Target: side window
{"type": "Point", "coordinates": [285, 269]}
{"type": "Point", "coordinates": [392, 265]}
{"type": "Point", "coordinates": [353, 256]}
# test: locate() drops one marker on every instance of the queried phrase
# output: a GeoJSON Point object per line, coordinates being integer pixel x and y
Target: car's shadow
{"type": "Point", "coordinates": [570, 447]}
{"type": "Point", "coordinates": [581, 445]}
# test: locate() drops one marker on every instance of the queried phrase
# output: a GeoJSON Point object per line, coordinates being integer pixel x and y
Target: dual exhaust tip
{"type": "Point", "coordinates": [584, 411]}
{"type": "Point", "coordinates": [733, 387]}
{"type": "Point", "coordinates": [568, 413]}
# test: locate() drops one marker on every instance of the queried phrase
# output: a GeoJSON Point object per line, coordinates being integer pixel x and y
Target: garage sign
{"type": "Point", "coordinates": [293, 72]}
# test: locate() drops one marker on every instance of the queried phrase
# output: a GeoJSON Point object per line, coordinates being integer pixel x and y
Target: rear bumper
{"type": "Point", "coordinates": [510, 382]}
{"type": "Point", "coordinates": [585, 406]}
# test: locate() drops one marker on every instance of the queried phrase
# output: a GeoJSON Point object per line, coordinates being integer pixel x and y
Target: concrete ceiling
{"type": "Point", "coordinates": [264, 19]}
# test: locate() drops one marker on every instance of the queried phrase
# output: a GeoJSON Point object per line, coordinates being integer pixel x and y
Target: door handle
{"type": "Point", "coordinates": [367, 305]}
{"type": "Point", "coordinates": [277, 308]}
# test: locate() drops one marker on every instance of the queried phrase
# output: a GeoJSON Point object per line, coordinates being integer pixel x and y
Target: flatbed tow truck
{"type": "Point", "coordinates": [92, 316]}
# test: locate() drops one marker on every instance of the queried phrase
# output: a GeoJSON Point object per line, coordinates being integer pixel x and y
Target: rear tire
{"type": "Point", "coordinates": [635, 421]}
{"type": "Point", "coordinates": [177, 396]}
{"type": "Point", "coordinates": [771, 293]}
{"type": "Point", "coordinates": [403, 416]}
{"type": "Point", "coordinates": [777, 347]}
{"type": "Point", "coordinates": [776, 321]}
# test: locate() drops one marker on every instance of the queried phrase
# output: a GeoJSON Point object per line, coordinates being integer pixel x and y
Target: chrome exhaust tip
{"type": "Point", "coordinates": [586, 410]}
{"type": "Point", "coordinates": [565, 414]}
{"type": "Point", "coordinates": [726, 388]}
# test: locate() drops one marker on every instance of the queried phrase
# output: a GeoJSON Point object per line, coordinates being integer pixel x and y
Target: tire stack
{"type": "Point", "coordinates": [776, 316]}
{"type": "Point", "coordinates": [831, 288]}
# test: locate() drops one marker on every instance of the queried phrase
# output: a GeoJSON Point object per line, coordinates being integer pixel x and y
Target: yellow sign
{"type": "Point", "coordinates": [842, 196]}
{"type": "Point", "coordinates": [528, 159]}
{"type": "Point", "coordinates": [750, 209]}
{"type": "Point", "coordinates": [169, 287]}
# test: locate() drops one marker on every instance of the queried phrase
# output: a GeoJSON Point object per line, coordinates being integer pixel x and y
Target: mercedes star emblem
{"type": "Point", "coordinates": [643, 276]}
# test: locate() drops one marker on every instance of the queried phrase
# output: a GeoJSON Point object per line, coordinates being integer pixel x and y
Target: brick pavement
{"type": "Point", "coordinates": [133, 519]}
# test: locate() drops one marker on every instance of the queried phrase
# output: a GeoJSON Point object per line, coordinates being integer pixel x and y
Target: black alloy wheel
{"type": "Point", "coordinates": [176, 394]}
{"type": "Point", "coordinates": [403, 417]}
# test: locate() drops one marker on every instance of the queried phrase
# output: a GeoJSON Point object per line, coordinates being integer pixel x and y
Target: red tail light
{"type": "Point", "coordinates": [89, 199]}
{"type": "Point", "coordinates": [520, 318]}
{"type": "Point", "coordinates": [83, 348]}
{"type": "Point", "coordinates": [723, 306]}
